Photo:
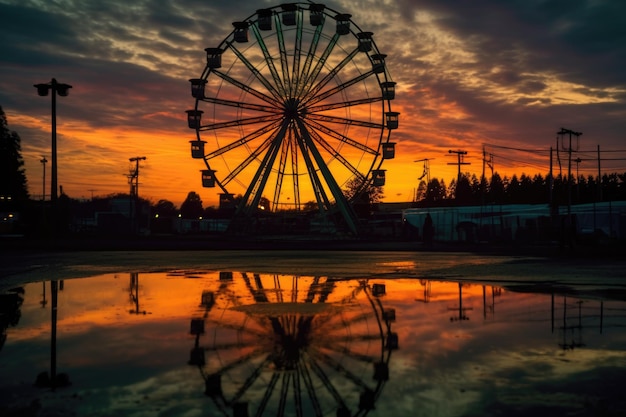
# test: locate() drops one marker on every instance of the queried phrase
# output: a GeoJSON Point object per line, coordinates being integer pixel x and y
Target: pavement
{"type": "Point", "coordinates": [595, 269]}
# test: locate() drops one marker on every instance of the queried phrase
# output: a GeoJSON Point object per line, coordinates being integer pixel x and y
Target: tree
{"type": "Point", "coordinates": [192, 206]}
{"type": "Point", "coordinates": [357, 189]}
{"type": "Point", "coordinates": [13, 185]}
{"type": "Point", "coordinates": [496, 189]}
{"type": "Point", "coordinates": [363, 195]}
{"type": "Point", "coordinates": [436, 191]}
{"type": "Point", "coordinates": [165, 208]}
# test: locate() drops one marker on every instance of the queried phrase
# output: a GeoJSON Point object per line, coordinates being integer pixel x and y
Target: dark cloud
{"type": "Point", "coordinates": [467, 71]}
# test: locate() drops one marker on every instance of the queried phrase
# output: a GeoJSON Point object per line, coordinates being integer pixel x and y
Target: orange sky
{"type": "Point", "coordinates": [507, 79]}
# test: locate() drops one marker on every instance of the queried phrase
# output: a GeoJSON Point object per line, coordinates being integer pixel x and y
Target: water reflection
{"type": "Point", "coordinates": [238, 344]}
{"type": "Point", "coordinates": [293, 345]}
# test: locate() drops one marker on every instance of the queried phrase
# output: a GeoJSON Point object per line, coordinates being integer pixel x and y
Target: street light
{"type": "Point", "coordinates": [62, 90]}
{"type": "Point", "coordinates": [43, 161]}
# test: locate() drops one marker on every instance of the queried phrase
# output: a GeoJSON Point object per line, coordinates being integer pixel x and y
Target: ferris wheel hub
{"type": "Point", "coordinates": [292, 108]}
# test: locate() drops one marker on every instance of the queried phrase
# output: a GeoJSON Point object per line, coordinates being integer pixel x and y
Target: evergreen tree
{"type": "Point", "coordinates": [192, 206]}
{"type": "Point", "coordinates": [13, 186]}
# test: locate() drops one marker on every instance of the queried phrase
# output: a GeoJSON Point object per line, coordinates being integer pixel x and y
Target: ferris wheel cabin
{"type": "Point", "coordinates": [389, 150]}
{"type": "Point", "coordinates": [240, 34]}
{"type": "Point", "coordinates": [208, 178]}
{"type": "Point", "coordinates": [378, 177]}
{"type": "Point", "coordinates": [197, 87]}
{"type": "Point", "coordinates": [194, 118]}
{"type": "Point", "coordinates": [388, 89]}
{"type": "Point", "coordinates": [197, 148]}
{"type": "Point", "coordinates": [214, 57]}
{"type": "Point", "coordinates": [343, 23]}
{"type": "Point", "coordinates": [316, 14]}
{"type": "Point", "coordinates": [392, 119]}
{"type": "Point", "coordinates": [289, 14]}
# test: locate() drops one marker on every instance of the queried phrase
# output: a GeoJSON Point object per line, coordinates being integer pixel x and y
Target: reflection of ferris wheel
{"type": "Point", "coordinates": [294, 103]}
{"type": "Point", "coordinates": [293, 346]}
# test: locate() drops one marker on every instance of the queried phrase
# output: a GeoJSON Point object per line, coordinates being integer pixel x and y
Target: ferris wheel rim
{"type": "Point", "coordinates": [300, 116]}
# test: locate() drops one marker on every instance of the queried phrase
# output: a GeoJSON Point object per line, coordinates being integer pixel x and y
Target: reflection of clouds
{"type": "Point", "coordinates": [123, 364]}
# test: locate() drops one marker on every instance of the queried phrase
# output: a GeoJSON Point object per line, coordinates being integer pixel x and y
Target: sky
{"type": "Point", "coordinates": [499, 76]}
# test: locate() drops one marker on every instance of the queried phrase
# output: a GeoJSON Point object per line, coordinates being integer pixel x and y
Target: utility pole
{"type": "Point", "coordinates": [562, 133]}
{"type": "Point", "coordinates": [426, 172]}
{"type": "Point", "coordinates": [460, 154]}
{"type": "Point", "coordinates": [133, 180]}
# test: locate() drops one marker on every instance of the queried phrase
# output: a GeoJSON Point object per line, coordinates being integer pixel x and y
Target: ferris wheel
{"type": "Point", "coordinates": [292, 345]}
{"type": "Point", "coordinates": [292, 111]}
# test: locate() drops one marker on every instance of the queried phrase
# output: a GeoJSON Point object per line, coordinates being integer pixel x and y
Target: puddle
{"type": "Point", "coordinates": [197, 343]}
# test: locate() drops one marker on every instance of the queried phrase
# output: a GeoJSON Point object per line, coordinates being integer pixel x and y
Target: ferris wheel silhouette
{"type": "Point", "coordinates": [289, 345]}
{"type": "Point", "coordinates": [295, 102]}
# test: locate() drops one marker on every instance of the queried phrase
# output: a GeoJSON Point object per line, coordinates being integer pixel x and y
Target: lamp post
{"type": "Point", "coordinates": [62, 90]}
{"type": "Point", "coordinates": [43, 189]}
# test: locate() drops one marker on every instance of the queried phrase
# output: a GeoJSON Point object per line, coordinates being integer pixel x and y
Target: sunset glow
{"type": "Point", "coordinates": [497, 77]}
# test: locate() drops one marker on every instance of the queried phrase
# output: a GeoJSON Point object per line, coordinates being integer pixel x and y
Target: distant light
{"type": "Point", "coordinates": [156, 216]}
{"type": "Point", "coordinates": [200, 218]}
{"type": "Point", "coordinates": [180, 215]}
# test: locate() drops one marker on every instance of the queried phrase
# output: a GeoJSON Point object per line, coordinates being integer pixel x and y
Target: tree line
{"type": "Point", "coordinates": [468, 189]}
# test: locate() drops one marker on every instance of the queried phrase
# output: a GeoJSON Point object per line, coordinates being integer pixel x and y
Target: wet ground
{"type": "Point", "coordinates": [475, 334]}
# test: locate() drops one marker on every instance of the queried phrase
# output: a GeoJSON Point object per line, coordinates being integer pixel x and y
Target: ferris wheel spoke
{"type": "Point", "coordinates": [327, 383]}
{"type": "Point", "coordinates": [284, 392]}
{"type": "Point", "coordinates": [354, 338]}
{"type": "Point", "coordinates": [318, 188]}
{"type": "Point", "coordinates": [339, 88]}
{"type": "Point", "coordinates": [332, 363]}
{"type": "Point", "coordinates": [244, 330]}
{"type": "Point", "coordinates": [297, 391]}
{"type": "Point", "coordinates": [262, 174]}
{"type": "Point", "coordinates": [241, 122]}
{"type": "Point", "coordinates": [284, 63]}
{"type": "Point", "coordinates": [228, 346]}
{"type": "Point", "coordinates": [250, 380]}
{"type": "Point", "coordinates": [282, 163]}
{"type": "Point", "coordinates": [257, 74]}
{"type": "Point", "coordinates": [243, 141]}
{"type": "Point", "coordinates": [253, 155]}
{"type": "Point", "coordinates": [306, 68]}
{"type": "Point", "coordinates": [335, 154]}
{"type": "Point", "coordinates": [241, 105]}
{"type": "Point", "coordinates": [242, 86]}
{"type": "Point", "coordinates": [340, 199]}
{"type": "Point", "coordinates": [344, 121]}
{"type": "Point", "coordinates": [308, 383]}
{"type": "Point", "coordinates": [320, 64]}
{"type": "Point", "coordinates": [347, 352]}
{"type": "Point", "coordinates": [243, 359]}
{"type": "Point", "coordinates": [295, 67]}
{"type": "Point", "coordinates": [269, 60]}
{"type": "Point", "coordinates": [317, 87]}
{"type": "Point", "coordinates": [268, 393]}
{"type": "Point", "coordinates": [343, 104]}
{"type": "Point", "coordinates": [354, 320]}
{"type": "Point", "coordinates": [338, 136]}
